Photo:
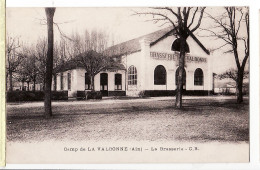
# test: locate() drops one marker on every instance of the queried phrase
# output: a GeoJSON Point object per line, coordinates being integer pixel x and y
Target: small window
{"type": "Point", "coordinates": [69, 81]}
{"type": "Point", "coordinates": [55, 83]}
{"type": "Point", "coordinates": [87, 82]}
{"type": "Point", "coordinates": [61, 81]}
{"type": "Point", "coordinates": [132, 75]}
{"type": "Point", "coordinates": [198, 77]}
{"type": "Point", "coordinates": [176, 77]}
{"type": "Point", "coordinates": [118, 82]}
{"type": "Point", "coordinates": [159, 75]}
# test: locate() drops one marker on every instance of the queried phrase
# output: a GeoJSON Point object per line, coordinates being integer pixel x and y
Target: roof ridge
{"type": "Point", "coordinates": [133, 45]}
{"type": "Point", "coordinates": [141, 36]}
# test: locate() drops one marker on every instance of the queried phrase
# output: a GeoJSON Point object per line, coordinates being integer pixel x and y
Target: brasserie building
{"type": "Point", "coordinates": [149, 66]}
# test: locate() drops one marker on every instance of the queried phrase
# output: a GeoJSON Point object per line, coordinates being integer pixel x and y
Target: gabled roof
{"type": "Point", "coordinates": [133, 45]}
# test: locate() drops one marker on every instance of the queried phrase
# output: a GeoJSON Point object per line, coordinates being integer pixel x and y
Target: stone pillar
{"type": "Point", "coordinates": [210, 74]}
{"type": "Point", "coordinates": [144, 70]}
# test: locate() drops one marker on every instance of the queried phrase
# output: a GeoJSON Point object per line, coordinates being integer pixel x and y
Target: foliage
{"type": "Point", "coordinates": [94, 95]}
{"type": "Point", "coordinates": [20, 96]}
{"type": "Point", "coordinates": [81, 95]}
{"type": "Point", "coordinates": [15, 96]}
{"type": "Point", "coordinates": [141, 94]}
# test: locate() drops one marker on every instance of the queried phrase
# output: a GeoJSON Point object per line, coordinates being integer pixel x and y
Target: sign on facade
{"type": "Point", "coordinates": [175, 56]}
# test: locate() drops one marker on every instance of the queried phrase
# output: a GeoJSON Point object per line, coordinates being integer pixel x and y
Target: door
{"type": "Point", "coordinates": [104, 84]}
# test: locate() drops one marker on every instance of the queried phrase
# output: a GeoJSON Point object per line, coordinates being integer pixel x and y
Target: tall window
{"type": "Point", "coordinates": [69, 81]}
{"type": "Point", "coordinates": [55, 82]}
{"type": "Point", "coordinates": [132, 75]}
{"type": "Point", "coordinates": [176, 77]}
{"type": "Point", "coordinates": [159, 75]}
{"type": "Point", "coordinates": [118, 82]}
{"type": "Point", "coordinates": [87, 82]}
{"type": "Point", "coordinates": [61, 81]}
{"type": "Point", "coordinates": [198, 77]}
{"type": "Point", "coordinates": [104, 81]}
{"type": "Point", "coordinates": [176, 46]}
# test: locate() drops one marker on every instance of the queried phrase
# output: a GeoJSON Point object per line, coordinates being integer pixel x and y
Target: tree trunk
{"type": "Point", "coordinates": [22, 85]}
{"type": "Point", "coordinates": [34, 82]}
{"type": "Point", "coordinates": [179, 89]}
{"type": "Point", "coordinates": [11, 80]}
{"type": "Point", "coordinates": [240, 86]}
{"type": "Point", "coordinates": [43, 86]}
{"type": "Point", "coordinates": [6, 85]}
{"type": "Point", "coordinates": [28, 84]}
{"type": "Point", "coordinates": [49, 62]}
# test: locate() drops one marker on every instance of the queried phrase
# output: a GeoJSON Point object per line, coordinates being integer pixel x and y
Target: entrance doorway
{"type": "Point", "coordinates": [104, 84]}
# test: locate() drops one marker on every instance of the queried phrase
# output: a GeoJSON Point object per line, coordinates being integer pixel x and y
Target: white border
{"type": "Point", "coordinates": [254, 76]}
{"type": "Point", "coordinates": [118, 3]}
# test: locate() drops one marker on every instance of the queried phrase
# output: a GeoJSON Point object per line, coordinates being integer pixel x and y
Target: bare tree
{"type": "Point", "coordinates": [185, 20]}
{"type": "Point", "coordinates": [233, 74]}
{"type": "Point", "coordinates": [13, 59]}
{"type": "Point", "coordinates": [93, 63]}
{"type": "Point", "coordinates": [28, 69]}
{"type": "Point", "coordinates": [49, 62]}
{"type": "Point", "coordinates": [41, 56]}
{"type": "Point", "coordinates": [232, 27]}
{"type": "Point", "coordinates": [87, 50]}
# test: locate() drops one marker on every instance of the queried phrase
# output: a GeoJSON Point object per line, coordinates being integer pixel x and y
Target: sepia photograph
{"type": "Point", "coordinates": [127, 85]}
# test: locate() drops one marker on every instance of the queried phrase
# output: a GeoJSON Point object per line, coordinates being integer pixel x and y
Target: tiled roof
{"type": "Point", "coordinates": [133, 45]}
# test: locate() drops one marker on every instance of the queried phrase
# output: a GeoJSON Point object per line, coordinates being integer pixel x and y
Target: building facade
{"type": "Point", "coordinates": [149, 66]}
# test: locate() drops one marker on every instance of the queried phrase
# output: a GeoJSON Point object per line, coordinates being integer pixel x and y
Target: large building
{"type": "Point", "coordinates": [149, 65]}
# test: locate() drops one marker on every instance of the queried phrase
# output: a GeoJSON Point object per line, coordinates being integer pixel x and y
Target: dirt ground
{"type": "Point", "coordinates": [156, 119]}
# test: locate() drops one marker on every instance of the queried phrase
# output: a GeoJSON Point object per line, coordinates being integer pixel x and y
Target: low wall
{"type": "Point", "coordinates": [17, 96]}
{"type": "Point", "coordinates": [154, 93]}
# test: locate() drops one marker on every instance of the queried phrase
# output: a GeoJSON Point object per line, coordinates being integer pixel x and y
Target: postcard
{"type": "Point", "coordinates": [127, 85]}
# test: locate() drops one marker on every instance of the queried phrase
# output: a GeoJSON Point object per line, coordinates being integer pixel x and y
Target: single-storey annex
{"type": "Point", "coordinates": [149, 65]}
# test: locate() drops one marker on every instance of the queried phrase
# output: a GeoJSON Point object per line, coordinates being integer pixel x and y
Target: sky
{"type": "Point", "coordinates": [27, 24]}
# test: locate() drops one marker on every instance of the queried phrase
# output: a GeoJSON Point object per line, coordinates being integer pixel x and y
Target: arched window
{"type": "Point", "coordinates": [132, 75]}
{"type": "Point", "coordinates": [159, 75]}
{"type": "Point", "coordinates": [198, 77]}
{"type": "Point", "coordinates": [118, 81]}
{"type": "Point", "coordinates": [176, 77]}
{"type": "Point", "coordinates": [87, 82]}
{"type": "Point", "coordinates": [176, 46]}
